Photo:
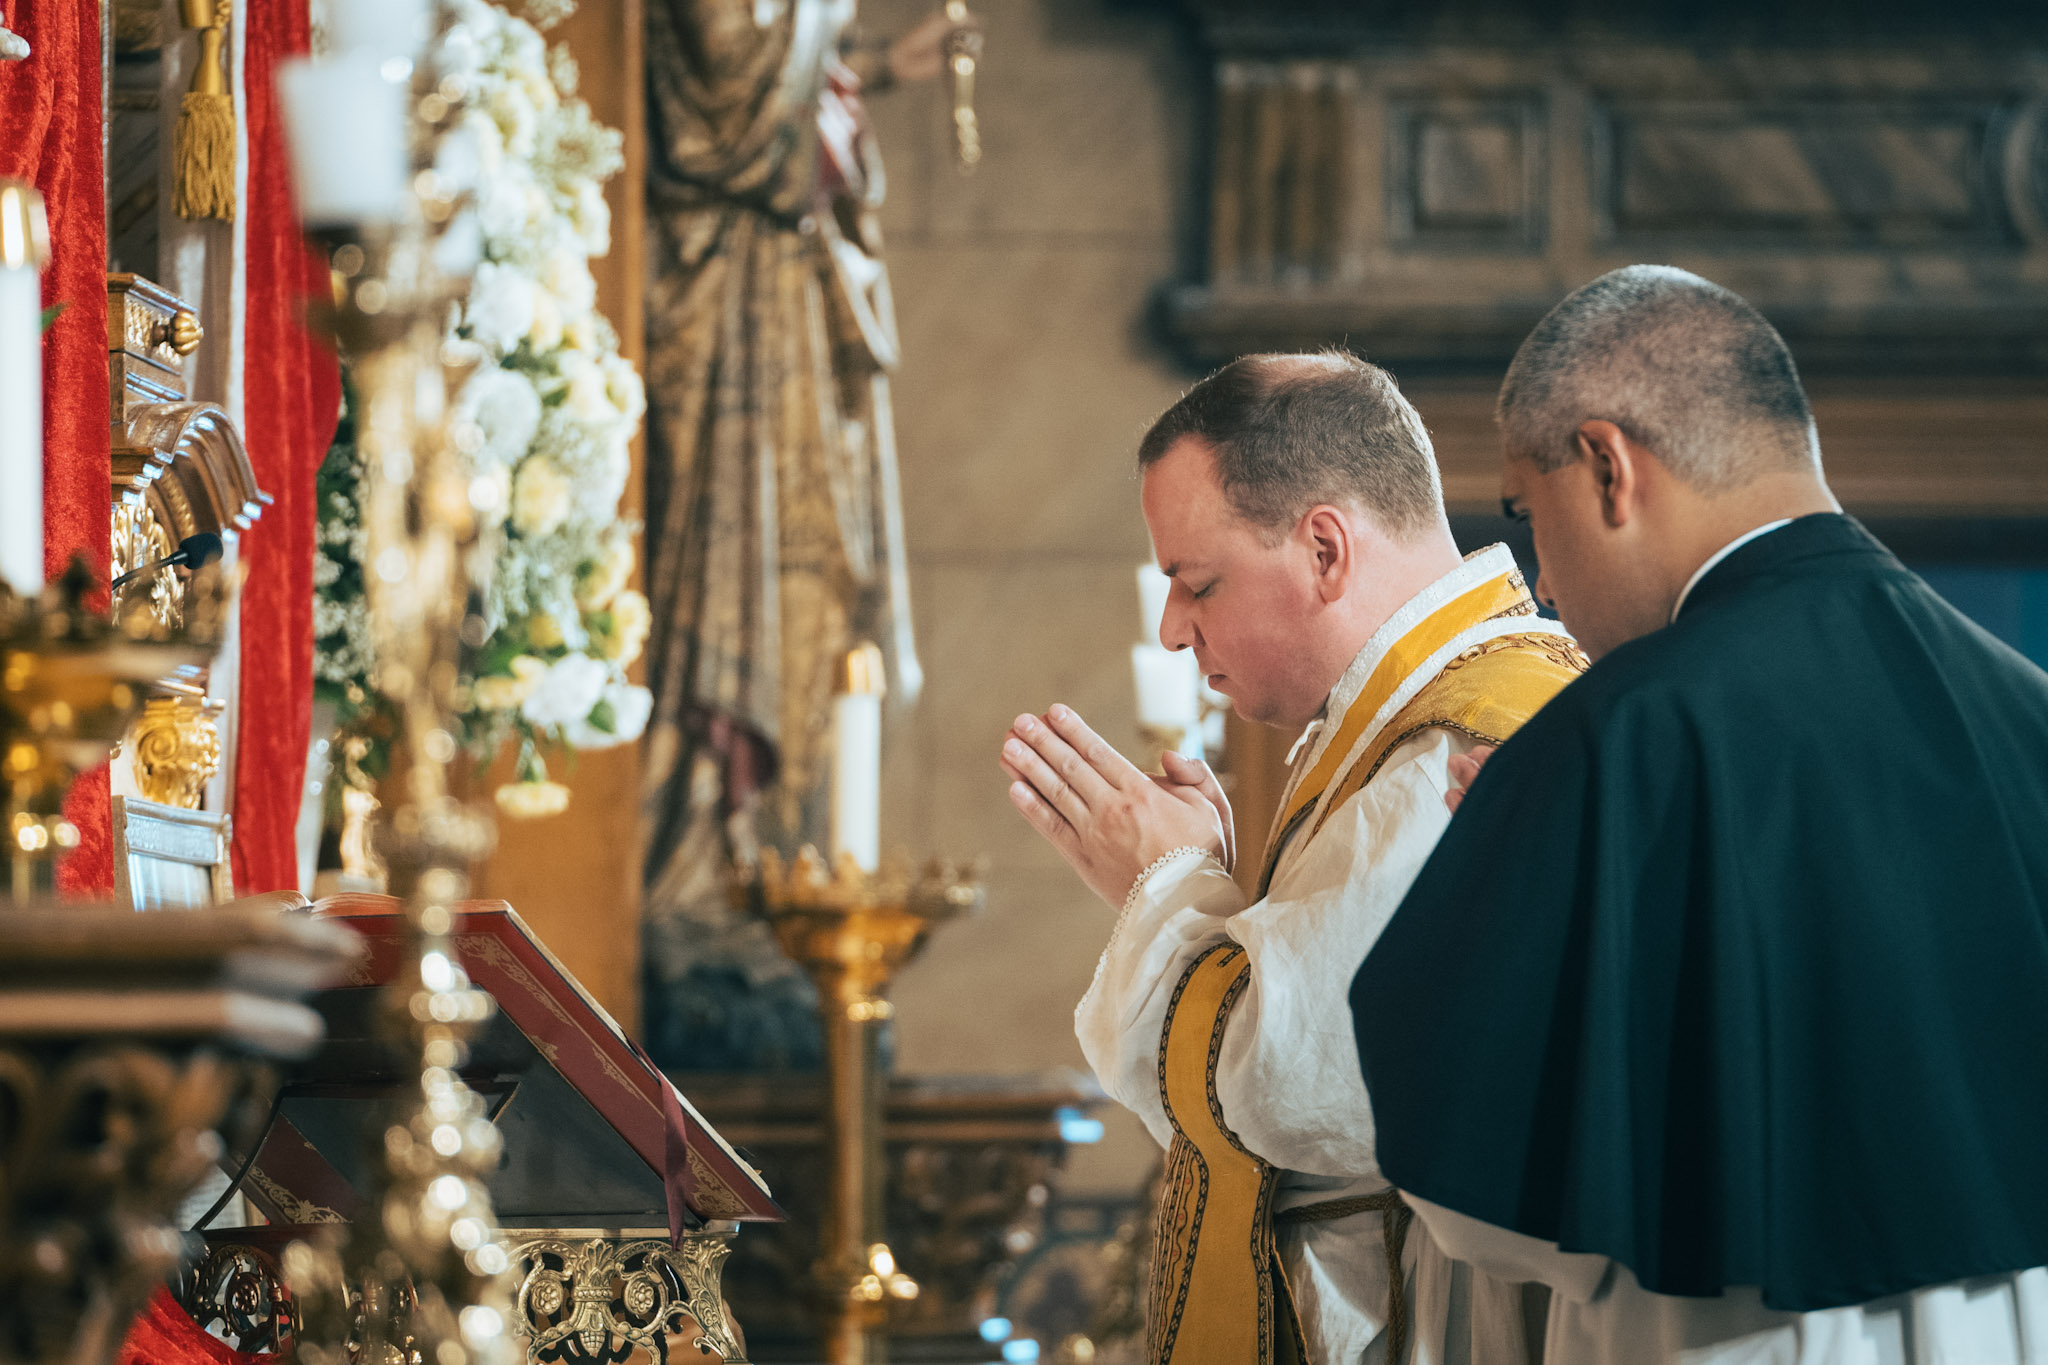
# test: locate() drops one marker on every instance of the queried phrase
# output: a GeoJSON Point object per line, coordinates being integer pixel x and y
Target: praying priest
{"type": "Point", "coordinates": [1295, 504]}
{"type": "Point", "coordinates": [1722, 1007]}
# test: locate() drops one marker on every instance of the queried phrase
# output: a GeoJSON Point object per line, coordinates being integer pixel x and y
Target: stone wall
{"type": "Point", "coordinates": [1027, 379]}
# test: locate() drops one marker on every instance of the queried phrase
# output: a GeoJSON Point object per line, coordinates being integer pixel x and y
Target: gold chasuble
{"type": "Point", "coordinates": [1218, 1295]}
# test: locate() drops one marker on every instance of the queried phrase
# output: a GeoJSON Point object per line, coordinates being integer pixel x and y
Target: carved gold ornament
{"type": "Point", "coordinates": [601, 1299]}
{"type": "Point", "coordinates": [177, 750]}
{"type": "Point", "coordinates": [139, 539]}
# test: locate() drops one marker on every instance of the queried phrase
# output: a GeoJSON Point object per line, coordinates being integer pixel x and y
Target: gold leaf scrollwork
{"type": "Point", "coordinates": [601, 1299]}
{"type": "Point", "coordinates": [139, 539]}
{"type": "Point", "coordinates": [177, 751]}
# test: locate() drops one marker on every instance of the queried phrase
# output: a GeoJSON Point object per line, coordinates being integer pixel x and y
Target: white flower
{"type": "Point", "coordinates": [532, 800]}
{"type": "Point", "coordinates": [592, 217]}
{"type": "Point", "coordinates": [566, 274]}
{"type": "Point", "coordinates": [507, 692]}
{"type": "Point", "coordinates": [500, 309]}
{"type": "Point", "coordinates": [511, 108]}
{"type": "Point", "coordinates": [506, 408]}
{"type": "Point", "coordinates": [541, 497]}
{"type": "Point", "coordinates": [581, 333]}
{"type": "Point", "coordinates": [600, 580]}
{"type": "Point", "coordinates": [602, 482]}
{"type": "Point", "coordinates": [589, 393]}
{"type": "Point", "coordinates": [546, 332]}
{"type": "Point", "coordinates": [623, 386]}
{"type": "Point", "coordinates": [630, 706]}
{"type": "Point", "coordinates": [620, 633]}
{"type": "Point", "coordinates": [573, 685]}
{"type": "Point", "coordinates": [504, 209]}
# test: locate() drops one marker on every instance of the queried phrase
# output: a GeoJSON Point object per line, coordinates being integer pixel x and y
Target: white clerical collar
{"type": "Point", "coordinates": [1730, 548]}
{"type": "Point", "coordinates": [1477, 568]}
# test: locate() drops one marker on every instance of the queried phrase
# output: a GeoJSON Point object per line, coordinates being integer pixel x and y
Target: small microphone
{"type": "Point", "coordinates": [195, 552]}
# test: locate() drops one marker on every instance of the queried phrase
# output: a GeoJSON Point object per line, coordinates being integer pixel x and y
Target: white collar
{"type": "Point", "coordinates": [1477, 568]}
{"type": "Point", "coordinates": [1730, 548]}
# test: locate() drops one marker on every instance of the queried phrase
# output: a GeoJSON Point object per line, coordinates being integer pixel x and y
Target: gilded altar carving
{"type": "Point", "coordinates": [139, 538]}
{"type": "Point", "coordinates": [601, 1299]}
{"type": "Point", "coordinates": [176, 750]}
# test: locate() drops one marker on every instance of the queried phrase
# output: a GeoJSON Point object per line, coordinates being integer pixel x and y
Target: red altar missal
{"type": "Point", "coordinates": [595, 1135]}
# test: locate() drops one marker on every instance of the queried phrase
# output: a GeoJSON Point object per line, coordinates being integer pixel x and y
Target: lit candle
{"type": "Point", "coordinates": [857, 759]}
{"type": "Point", "coordinates": [24, 250]}
{"type": "Point", "coordinates": [1154, 588]}
{"type": "Point", "coordinates": [345, 121]}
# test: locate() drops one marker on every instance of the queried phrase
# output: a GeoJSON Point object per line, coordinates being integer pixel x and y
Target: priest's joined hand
{"type": "Point", "coordinates": [1108, 820]}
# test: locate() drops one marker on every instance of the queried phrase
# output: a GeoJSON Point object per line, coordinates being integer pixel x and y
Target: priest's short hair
{"type": "Point", "coordinates": [1686, 368]}
{"type": "Point", "coordinates": [1292, 432]}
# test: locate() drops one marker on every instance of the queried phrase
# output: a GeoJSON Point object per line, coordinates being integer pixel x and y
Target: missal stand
{"type": "Point", "coordinates": [617, 1203]}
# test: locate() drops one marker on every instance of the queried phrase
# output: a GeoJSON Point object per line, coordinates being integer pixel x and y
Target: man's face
{"type": "Point", "coordinates": [1584, 563]}
{"type": "Point", "coordinates": [1242, 599]}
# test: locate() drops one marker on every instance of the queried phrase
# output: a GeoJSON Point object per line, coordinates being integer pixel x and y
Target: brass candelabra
{"type": "Point", "coordinates": [852, 931]}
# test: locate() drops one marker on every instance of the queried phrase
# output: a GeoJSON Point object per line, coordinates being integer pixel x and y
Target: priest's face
{"type": "Point", "coordinates": [1244, 598]}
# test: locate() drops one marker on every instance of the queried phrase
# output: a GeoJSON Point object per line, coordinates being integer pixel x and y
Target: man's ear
{"type": "Point", "coordinates": [1331, 548]}
{"type": "Point", "coordinates": [1615, 464]}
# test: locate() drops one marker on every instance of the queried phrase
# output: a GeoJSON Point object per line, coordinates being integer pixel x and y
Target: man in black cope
{"type": "Point", "coordinates": [1722, 1007]}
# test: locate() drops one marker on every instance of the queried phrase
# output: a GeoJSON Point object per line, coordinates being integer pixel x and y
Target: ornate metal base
{"type": "Point", "coordinates": [597, 1298]}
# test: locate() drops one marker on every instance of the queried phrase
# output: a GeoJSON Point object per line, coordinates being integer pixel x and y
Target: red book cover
{"type": "Point", "coordinates": [302, 1171]}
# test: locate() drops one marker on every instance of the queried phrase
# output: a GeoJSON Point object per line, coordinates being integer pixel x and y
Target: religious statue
{"type": "Point", "coordinates": [774, 527]}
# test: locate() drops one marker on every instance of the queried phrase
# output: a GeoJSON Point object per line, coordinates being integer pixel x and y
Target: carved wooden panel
{"type": "Point", "coordinates": [1888, 208]}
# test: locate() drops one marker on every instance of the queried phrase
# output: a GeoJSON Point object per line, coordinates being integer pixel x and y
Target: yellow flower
{"type": "Point", "coordinates": [621, 634]}
{"type": "Point", "coordinates": [502, 692]}
{"type": "Point", "coordinates": [532, 800]}
{"type": "Point", "coordinates": [599, 581]}
{"type": "Point", "coordinates": [543, 631]}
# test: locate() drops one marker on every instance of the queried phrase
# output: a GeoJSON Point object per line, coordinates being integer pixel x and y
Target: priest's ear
{"type": "Point", "coordinates": [1617, 467]}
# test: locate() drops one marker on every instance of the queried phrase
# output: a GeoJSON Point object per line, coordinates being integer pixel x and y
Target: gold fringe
{"type": "Point", "coordinates": [205, 156]}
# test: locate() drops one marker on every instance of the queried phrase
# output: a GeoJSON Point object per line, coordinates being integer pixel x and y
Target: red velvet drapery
{"type": "Point", "coordinates": [50, 135]}
{"type": "Point", "coordinates": [292, 396]}
{"type": "Point", "coordinates": [166, 1335]}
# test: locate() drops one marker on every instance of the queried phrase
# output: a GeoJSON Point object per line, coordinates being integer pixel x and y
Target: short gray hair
{"type": "Point", "coordinates": [1684, 367]}
{"type": "Point", "coordinates": [1291, 432]}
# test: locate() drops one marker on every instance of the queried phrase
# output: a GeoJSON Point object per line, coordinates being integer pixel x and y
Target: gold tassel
{"type": "Point", "coordinates": [204, 150]}
{"type": "Point", "coordinates": [206, 157]}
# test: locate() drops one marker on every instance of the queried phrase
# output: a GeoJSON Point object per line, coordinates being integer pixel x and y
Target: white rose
{"type": "Point", "coordinates": [532, 800]}
{"type": "Point", "coordinates": [623, 386]}
{"type": "Point", "coordinates": [580, 331]}
{"type": "Point", "coordinates": [500, 309]}
{"type": "Point", "coordinates": [572, 686]}
{"type": "Point", "coordinates": [566, 273]}
{"type": "Point", "coordinates": [620, 633]}
{"type": "Point", "coordinates": [630, 707]}
{"type": "Point", "coordinates": [593, 217]}
{"type": "Point", "coordinates": [546, 333]}
{"type": "Point", "coordinates": [588, 395]}
{"type": "Point", "coordinates": [600, 580]}
{"type": "Point", "coordinates": [541, 496]}
{"type": "Point", "coordinates": [506, 408]}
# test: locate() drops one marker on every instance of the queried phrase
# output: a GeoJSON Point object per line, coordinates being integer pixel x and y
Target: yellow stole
{"type": "Point", "coordinates": [1218, 1295]}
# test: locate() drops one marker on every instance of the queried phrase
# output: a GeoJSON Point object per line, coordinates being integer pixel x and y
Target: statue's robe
{"type": "Point", "coordinates": [1730, 980]}
{"type": "Point", "coordinates": [1363, 808]}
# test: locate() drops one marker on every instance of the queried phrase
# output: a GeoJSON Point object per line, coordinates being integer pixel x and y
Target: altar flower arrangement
{"type": "Point", "coordinates": [546, 418]}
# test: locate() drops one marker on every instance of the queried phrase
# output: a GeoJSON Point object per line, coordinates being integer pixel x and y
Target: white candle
{"type": "Point", "coordinates": [1169, 693]}
{"type": "Point", "coordinates": [24, 248]}
{"type": "Point", "coordinates": [857, 760]}
{"type": "Point", "coordinates": [1153, 589]}
{"type": "Point", "coordinates": [388, 28]}
{"type": "Point", "coordinates": [346, 124]}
